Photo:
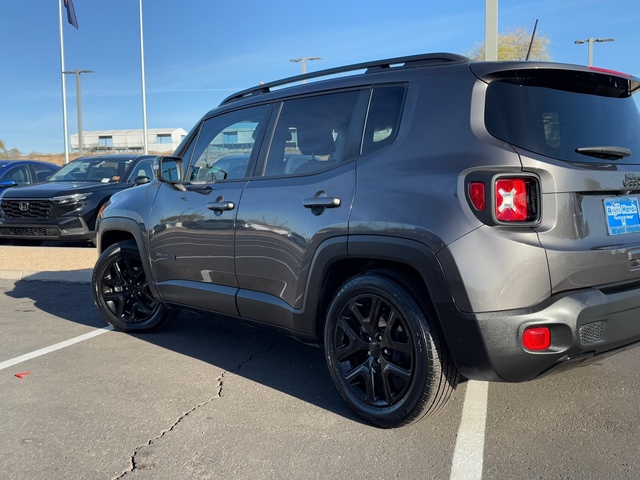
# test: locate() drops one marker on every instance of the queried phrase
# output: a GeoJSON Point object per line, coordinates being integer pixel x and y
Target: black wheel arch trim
{"type": "Point", "coordinates": [408, 252]}
{"type": "Point", "coordinates": [461, 336]}
{"type": "Point", "coordinates": [132, 228]}
{"type": "Point", "coordinates": [402, 251]}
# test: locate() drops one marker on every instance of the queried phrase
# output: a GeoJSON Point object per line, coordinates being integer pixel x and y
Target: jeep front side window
{"type": "Point", "coordinates": [226, 145]}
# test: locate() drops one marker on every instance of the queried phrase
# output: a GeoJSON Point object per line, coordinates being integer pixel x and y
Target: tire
{"type": "Point", "coordinates": [121, 292]}
{"type": "Point", "coordinates": [384, 351]}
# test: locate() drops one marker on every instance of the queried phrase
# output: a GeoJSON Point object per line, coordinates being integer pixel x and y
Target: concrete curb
{"type": "Point", "coordinates": [74, 276]}
{"type": "Point", "coordinates": [47, 263]}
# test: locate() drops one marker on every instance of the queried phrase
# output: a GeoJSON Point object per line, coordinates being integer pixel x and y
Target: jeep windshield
{"type": "Point", "coordinates": [575, 116]}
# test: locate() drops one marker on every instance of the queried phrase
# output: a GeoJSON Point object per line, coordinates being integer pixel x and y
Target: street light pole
{"type": "Point", "coordinates": [491, 30]}
{"type": "Point", "coordinates": [304, 63]}
{"type": "Point", "coordinates": [79, 102]}
{"type": "Point", "coordinates": [591, 41]}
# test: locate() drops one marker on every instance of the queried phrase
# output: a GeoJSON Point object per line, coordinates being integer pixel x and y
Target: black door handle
{"type": "Point", "coordinates": [321, 202]}
{"type": "Point", "coordinates": [204, 189]}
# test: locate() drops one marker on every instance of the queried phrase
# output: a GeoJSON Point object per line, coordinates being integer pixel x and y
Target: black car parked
{"type": "Point", "coordinates": [65, 207]}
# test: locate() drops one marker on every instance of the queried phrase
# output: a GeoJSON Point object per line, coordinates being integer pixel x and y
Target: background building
{"type": "Point", "coordinates": [122, 141]}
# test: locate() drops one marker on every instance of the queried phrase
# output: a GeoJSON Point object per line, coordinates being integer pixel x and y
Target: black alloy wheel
{"type": "Point", "coordinates": [384, 351]}
{"type": "Point", "coordinates": [121, 291]}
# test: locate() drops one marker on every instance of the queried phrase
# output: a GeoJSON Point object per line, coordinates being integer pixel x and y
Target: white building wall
{"type": "Point", "coordinates": [119, 141]}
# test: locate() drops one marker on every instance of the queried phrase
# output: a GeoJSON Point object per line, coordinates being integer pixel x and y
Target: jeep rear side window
{"type": "Point", "coordinates": [314, 133]}
{"type": "Point", "coordinates": [383, 118]}
{"type": "Point", "coordinates": [555, 113]}
{"type": "Point", "coordinates": [226, 144]}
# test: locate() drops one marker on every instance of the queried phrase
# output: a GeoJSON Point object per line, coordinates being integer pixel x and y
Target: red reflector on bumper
{"type": "Point", "coordinates": [536, 338]}
{"type": "Point", "coordinates": [477, 195]}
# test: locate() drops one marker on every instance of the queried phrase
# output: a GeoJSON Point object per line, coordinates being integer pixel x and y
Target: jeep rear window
{"type": "Point", "coordinates": [555, 112]}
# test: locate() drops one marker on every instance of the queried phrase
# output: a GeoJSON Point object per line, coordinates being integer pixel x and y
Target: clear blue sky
{"type": "Point", "coordinates": [199, 51]}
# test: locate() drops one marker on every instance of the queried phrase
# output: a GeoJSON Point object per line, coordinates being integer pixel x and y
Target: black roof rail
{"type": "Point", "coordinates": [370, 67]}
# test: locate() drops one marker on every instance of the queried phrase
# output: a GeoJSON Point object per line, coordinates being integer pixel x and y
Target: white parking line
{"type": "Point", "coordinates": [469, 450]}
{"type": "Point", "coordinates": [53, 348]}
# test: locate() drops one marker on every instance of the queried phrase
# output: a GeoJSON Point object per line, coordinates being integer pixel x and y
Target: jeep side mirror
{"type": "Point", "coordinates": [169, 169]}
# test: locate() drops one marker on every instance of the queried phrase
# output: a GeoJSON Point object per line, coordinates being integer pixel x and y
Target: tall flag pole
{"type": "Point", "coordinates": [144, 92]}
{"type": "Point", "coordinates": [71, 17]}
{"type": "Point", "coordinates": [64, 89]}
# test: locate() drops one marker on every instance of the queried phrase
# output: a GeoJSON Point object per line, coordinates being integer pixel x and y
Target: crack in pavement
{"type": "Point", "coordinates": [219, 386]}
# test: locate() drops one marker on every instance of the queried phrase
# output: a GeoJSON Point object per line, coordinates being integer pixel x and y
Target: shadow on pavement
{"type": "Point", "coordinates": [69, 301]}
{"type": "Point", "coordinates": [260, 355]}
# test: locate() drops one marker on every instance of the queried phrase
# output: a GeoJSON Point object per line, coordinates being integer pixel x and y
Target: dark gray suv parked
{"type": "Point", "coordinates": [421, 218]}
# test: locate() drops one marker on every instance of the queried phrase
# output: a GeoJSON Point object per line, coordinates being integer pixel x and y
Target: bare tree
{"type": "Point", "coordinates": [514, 44]}
{"type": "Point", "coordinates": [4, 153]}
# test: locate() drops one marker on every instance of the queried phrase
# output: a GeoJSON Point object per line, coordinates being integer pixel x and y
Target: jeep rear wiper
{"type": "Point", "coordinates": [608, 153]}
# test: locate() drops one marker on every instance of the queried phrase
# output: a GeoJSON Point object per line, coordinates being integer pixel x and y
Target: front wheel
{"type": "Point", "coordinates": [384, 351]}
{"type": "Point", "coordinates": [121, 292]}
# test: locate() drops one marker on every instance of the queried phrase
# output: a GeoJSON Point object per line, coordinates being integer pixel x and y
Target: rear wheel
{"type": "Point", "coordinates": [121, 291]}
{"type": "Point", "coordinates": [384, 351]}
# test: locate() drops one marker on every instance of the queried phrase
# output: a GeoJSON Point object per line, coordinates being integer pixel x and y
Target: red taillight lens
{"type": "Point", "coordinates": [536, 338]}
{"type": "Point", "coordinates": [477, 195]}
{"type": "Point", "coordinates": [511, 200]}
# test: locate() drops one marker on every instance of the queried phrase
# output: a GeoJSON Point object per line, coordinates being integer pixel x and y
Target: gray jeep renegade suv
{"type": "Point", "coordinates": [421, 218]}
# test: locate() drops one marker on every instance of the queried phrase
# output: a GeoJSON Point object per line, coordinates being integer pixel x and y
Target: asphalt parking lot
{"type": "Point", "coordinates": [209, 397]}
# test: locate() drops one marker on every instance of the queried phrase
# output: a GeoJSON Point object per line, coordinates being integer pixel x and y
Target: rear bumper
{"type": "Point", "coordinates": [585, 325]}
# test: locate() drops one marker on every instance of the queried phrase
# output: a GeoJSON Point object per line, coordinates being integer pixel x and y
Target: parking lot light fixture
{"type": "Point", "coordinates": [79, 102]}
{"type": "Point", "coordinates": [591, 41]}
{"type": "Point", "coordinates": [304, 63]}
